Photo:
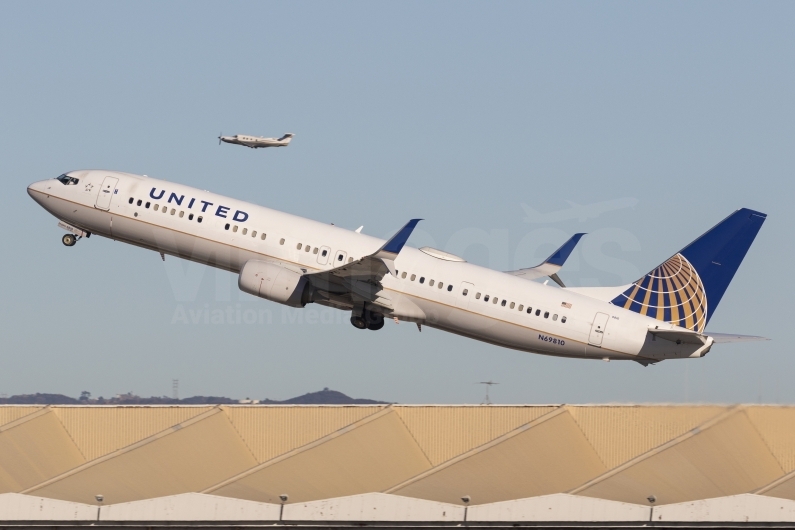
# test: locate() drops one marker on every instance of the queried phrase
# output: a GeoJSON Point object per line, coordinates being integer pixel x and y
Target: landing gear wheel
{"type": "Point", "coordinates": [69, 240]}
{"type": "Point", "coordinates": [375, 321]}
{"type": "Point", "coordinates": [358, 322]}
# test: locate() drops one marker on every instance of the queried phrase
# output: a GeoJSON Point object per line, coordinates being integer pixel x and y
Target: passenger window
{"type": "Point", "coordinates": [430, 283]}
{"type": "Point", "coordinates": [441, 284]}
{"type": "Point", "coordinates": [324, 253]}
{"type": "Point", "coordinates": [422, 279]}
{"type": "Point", "coordinates": [465, 292]}
{"type": "Point", "coordinates": [226, 226]}
{"type": "Point", "coordinates": [139, 202]}
{"type": "Point", "coordinates": [147, 205]}
{"type": "Point", "coordinates": [502, 304]}
{"type": "Point", "coordinates": [554, 317]}
{"type": "Point", "coordinates": [403, 275]}
{"type": "Point", "coordinates": [350, 260]}
{"type": "Point", "coordinates": [477, 296]}
{"type": "Point", "coordinates": [413, 276]}
{"type": "Point", "coordinates": [538, 312]}
{"type": "Point", "coordinates": [131, 200]}
{"type": "Point", "coordinates": [450, 288]}
{"type": "Point", "coordinates": [245, 231]}
{"type": "Point", "coordinates": [521, 307]}
{"type": "Point", "coordinates": [281, 241]}
{"type": "Point", "coordinates": [546, 314]}
{"type": "Point", "coordinates": [307, 248]}
{"type": "Point", "coordinates": [157, 207]}
{"type": "Point", "coordinates": [190, 217]}
{"type": "Point", "coordinates": [298, 246]}
{"type": "Point", "coordinates": [199, 219]}
{"type": "Point", "coordinates": [263, 236]}
{"type": "Point", "coordinates": [340, 257]}
{"type": "Point", "coordinates": [512, 305]}
{"type": "Point", "coordinates": [486, 298]}
{"type": "Point", "coordinates": [173, 211]}
{"type": "Point", "coordinates": [563, 320]}
{"type": "Point", "coordinates": [529, 310]}
{"type": "Point", "coordinates": [182, 214]}
{"type": "Point", "coordinates": [314, 250]}
{"type": "Point", "coordinates": [253, 233]}
{"type": "Point", "coordinates": [234, 228]}
{"type": "Point", "coordinates": [165, 209]}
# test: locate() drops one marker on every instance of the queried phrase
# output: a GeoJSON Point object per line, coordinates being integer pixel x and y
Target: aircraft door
{"type": "Point", "coordinates": [106, 192]}
{"type": "Point", "coordinates": [598, 329]}
{"type": "Point", "coordinates": [465, 293]}
{"type": "Point", "coordinates": [322, 256]}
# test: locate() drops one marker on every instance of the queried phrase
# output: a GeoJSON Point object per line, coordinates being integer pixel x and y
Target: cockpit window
{"type": "Point", "coordinates": [66, 180]}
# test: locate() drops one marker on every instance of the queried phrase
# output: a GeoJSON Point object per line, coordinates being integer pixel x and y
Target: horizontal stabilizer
{"type": "Point", "coordinates": [730, 337]}
{"type": "Point", "coordinates": [679, 336]}
{"type": "Point", "coordinates": [552, 264]}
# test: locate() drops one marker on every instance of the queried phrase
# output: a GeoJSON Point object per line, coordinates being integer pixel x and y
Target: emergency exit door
{"type": "Point", "coordinates": [598, 329]}
{"type": "Point", "coordinates": [106, 192]}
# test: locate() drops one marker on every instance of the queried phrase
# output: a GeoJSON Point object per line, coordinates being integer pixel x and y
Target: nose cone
{"type": "Point", "coordinates": [37, 189]}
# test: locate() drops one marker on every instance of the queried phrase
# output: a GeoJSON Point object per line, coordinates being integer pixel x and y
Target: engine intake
{"type": "Point", "coordinates": [275, 283]}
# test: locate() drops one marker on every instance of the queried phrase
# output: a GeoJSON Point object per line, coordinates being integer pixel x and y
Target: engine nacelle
{"type": "Point", "coordinates": [276, 283]}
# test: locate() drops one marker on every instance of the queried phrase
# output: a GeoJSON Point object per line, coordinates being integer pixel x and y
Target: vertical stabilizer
{"type": "Point", "coordinates": [686, 289]}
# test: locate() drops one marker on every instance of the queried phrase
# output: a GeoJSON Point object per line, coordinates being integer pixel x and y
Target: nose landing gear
{"type": "Point", "coordinates": [368, 320]}
{"type": "Point", "coordinates": [69, 240]}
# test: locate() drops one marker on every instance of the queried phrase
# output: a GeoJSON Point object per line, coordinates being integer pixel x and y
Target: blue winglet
{"type": "Point", "coordinates": [560, 256]}
{"type": "Point", "coordinates": [395, 244]}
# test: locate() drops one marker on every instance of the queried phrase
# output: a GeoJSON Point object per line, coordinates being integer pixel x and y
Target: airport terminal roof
{"type": "Point", "coordinates": [508, 455]}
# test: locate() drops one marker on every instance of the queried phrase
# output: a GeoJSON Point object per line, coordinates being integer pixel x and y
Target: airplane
{"type": "Point", "coordinates": [296, 261]}
{"type": "Point", "coordinates": [577, 211]}
{"type": "Point", "coordinates": [256, 141]}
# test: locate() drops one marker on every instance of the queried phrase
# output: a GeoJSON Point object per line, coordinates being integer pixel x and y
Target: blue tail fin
{"type": "Point", "coordinates": [686, 289]}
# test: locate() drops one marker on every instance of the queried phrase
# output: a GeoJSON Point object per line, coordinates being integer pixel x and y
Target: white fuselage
{"type": "Point", "coordinates": [226, 233]}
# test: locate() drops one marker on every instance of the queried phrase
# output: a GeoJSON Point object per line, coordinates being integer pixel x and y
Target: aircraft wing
{"type": "Point", "coordinates": [552, 264]}
{"type": "Point", "coordinates": [361, 279]}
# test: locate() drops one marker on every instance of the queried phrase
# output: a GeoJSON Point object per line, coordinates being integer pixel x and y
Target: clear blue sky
{"type": "Point", "coordinates": [456, 112]}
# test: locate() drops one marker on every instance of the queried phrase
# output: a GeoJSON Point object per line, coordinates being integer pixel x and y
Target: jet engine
{"type": "Point", "coordinates": [276, 283]}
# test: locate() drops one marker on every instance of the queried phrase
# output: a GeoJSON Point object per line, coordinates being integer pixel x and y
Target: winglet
{"type": "Point", "coordinates": [560, 256]}
{"type": "Point", "coordinates": [395, 244]}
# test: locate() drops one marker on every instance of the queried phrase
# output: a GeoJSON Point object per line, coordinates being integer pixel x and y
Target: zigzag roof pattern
{"type": "Point", "coordinates": [440, 453]}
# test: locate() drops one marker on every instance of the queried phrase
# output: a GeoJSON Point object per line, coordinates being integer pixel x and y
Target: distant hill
{"type": "Point", "coordinates": [322, 397]}
{"type": "Point", "coordinates": [325, 397]}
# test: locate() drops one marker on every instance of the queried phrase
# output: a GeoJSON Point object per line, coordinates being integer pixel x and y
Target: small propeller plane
{"type": "Point", "coordinates": [256, 141]}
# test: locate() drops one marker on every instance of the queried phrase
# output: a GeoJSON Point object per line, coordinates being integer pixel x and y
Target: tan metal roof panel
{"type": "Point", "coordinates": [33, 449]}
{"type": "Point", "coordinates": [446, 432]}
{"type": "Point", "coordinates": [191, 507]}
{"type": "Point", "coordinates": [17, 507]}
{"type": "Point", "coordinates": [744, 508]}
{"type": "Point", "coordinates": [188, 457]}
{"type": "Point", "coordinates": [549, 455]}
{"type": "Point", "coordinates": [783, 487]}
{"type": "Point", "coordinates": [98, 431]}
{"type": "Point", "coordinates": [9, 413]}
{"type": "Point", "coordinates": [373, 507]}
{"type": "Point", "coordinates": [370, 455]}
{"type": "Point", "coordinates": [776, 424]}
{"type": "Point", "coordinates": [726, 456]}
{"type": "Point", "coordinates": [558, 507]}
{"type": "Point", "coordinates": [619, 433]}
{"type": "Point", "coordinates": [273, 430]}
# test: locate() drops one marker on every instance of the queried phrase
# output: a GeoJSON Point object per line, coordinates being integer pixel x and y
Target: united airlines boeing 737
{"type": "Point", "coordinates": [295, 261]}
